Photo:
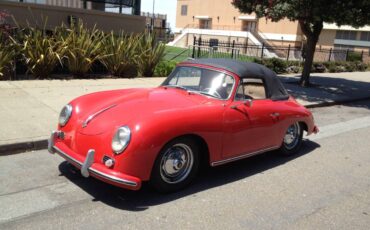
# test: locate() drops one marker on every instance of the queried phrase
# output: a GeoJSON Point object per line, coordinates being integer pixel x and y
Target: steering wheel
{"type": "Point", "coordinates": [213, 92]}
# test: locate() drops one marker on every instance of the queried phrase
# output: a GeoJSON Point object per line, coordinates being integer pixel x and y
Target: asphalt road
{"type": "Point", "coordinates": [325, 186]}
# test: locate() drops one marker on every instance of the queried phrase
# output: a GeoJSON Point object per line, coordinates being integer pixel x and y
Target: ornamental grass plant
{"type": "Point", "coordinates": [119, 52]}
{"type": "Point", "coordinates": [149, 54]}
{"type": "Point", "coordinates": [41, 52]}
{"type": "Point", "coordinates": [81, 48]}
{"type": "Point", "coordinates": [7, 55]}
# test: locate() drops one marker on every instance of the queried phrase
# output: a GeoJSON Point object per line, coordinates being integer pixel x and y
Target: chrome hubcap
{"type": "Point", "coordinates": [291, 137]}
{"type": "Point", "coordinates": [176, 163]}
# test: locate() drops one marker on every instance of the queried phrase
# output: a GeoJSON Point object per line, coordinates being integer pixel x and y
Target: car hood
{"type": "Point", "coordinates": [102, 111]}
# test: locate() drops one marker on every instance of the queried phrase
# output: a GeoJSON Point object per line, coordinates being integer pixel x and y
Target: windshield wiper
{"type": "Point", "coordinates": [176, 86]}
{"type": "Point", "coordinates": [208, 94]}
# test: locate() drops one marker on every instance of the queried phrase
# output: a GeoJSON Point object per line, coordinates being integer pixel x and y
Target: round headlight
{"type": "Point", "coordinates": [65, 114]}
{"type": "Point", "coordinates": [121, 139]}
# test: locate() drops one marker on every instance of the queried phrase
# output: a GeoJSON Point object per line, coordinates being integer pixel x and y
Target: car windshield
{"type": "Point", "coordinates": [203, 81]}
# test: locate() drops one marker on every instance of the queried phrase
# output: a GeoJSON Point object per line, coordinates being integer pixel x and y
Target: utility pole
{"type": "Point", "coordinates": [153, 18]}
{"type": "Point", "coordinates": [120, 6]}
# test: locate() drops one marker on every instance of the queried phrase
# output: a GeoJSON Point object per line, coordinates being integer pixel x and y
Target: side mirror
{"type": "Point", "coordinates": [248, 102]}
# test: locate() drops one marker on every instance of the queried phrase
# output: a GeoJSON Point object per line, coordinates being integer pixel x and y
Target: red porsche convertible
{"type": "Point", "coordinates": [213, 111]}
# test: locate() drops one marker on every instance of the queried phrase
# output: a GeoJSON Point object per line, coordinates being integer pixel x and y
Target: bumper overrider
{"type": "Point", "coordinates": [89, 167]}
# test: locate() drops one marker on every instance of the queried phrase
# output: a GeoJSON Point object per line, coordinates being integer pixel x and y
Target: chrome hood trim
{"type": "Point", "coordinates": [92, 116]}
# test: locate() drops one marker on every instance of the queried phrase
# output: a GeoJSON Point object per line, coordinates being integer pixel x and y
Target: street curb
{"type": "Point", "coordinates": [10, 149]}
{"type": "Point", "coordinates": [339, 102]}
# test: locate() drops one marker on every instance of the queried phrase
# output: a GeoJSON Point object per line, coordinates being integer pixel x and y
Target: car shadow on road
{"type": "Point", "coordinates": [208, 179]}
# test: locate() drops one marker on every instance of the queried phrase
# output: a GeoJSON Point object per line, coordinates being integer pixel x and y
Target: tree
{"type": "Point", "coordinates": [310, 14]}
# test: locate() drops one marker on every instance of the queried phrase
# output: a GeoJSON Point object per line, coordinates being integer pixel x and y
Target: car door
{"type": "Point", "coordinates": [250, 121]}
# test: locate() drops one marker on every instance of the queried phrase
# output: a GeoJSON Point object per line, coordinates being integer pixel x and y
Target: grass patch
{"type": "Point", "coordinates": [175, 54]}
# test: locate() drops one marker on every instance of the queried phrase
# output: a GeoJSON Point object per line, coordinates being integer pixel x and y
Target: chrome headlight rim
{"type": "Point", "coordinates": [121, 139]}
{"type": "Point", "coordinates": [65, 115]}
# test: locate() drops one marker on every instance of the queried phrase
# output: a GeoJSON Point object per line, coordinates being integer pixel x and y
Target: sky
{"type": "Point", "coordinates": [161, 7]}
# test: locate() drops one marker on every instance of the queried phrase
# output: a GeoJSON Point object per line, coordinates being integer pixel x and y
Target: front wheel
{"type": "Point", "coordinates": [176, 165]}
{"type": "Point", "coordinates": [292, 140]}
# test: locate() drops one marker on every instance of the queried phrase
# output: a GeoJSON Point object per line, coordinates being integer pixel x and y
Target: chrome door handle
{"type": "Point", "coordinates": [275, 114]}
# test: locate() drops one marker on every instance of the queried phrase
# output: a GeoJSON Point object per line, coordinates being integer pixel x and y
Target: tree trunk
{"type": "Point", "coordinates": [312, 34]}
{"type": "Point", "coordinates": [310, 52]}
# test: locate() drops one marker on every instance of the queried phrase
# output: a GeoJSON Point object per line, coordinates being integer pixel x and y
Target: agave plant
{"type": "Point", "coordinates": [119, 53]}
{"type": "Point", "coordinates": [41, 52]}
{"type": "Point", "coordinates": [149, 54]}
{"type": "Point", "coordinates": [82, 47]}
{"type": "Point", "coordinates": [7, 55]}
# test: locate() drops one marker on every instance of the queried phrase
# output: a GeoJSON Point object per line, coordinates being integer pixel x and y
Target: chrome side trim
{"type": "Point", "coordinates": [216, 163]}
{"type": "Point", "coordinates": [92, 116]}
{"type": "Point", "coordinates": [96, 172]}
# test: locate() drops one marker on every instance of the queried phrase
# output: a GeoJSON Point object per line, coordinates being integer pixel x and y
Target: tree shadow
{"type": "Point", "coordinates": [208, 179]}
{"type": "Point", "coordinates": [327, 90]}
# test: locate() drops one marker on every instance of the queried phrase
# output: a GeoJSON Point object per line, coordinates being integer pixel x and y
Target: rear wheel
{"type": "Point", "coordinates": [292, 140]}
{"type": "Point", "coordinates": [176, 165]}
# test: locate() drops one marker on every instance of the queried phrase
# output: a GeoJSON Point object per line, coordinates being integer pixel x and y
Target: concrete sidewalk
{"type": "Point", "coordinates": [29, 109]}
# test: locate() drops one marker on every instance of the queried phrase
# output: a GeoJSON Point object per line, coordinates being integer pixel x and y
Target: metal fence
{"type": "Point", "coordinates": [217, 49]}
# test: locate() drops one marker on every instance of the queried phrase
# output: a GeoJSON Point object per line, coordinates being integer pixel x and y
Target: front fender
{"type": "Point", "coordinates": [150, 135]}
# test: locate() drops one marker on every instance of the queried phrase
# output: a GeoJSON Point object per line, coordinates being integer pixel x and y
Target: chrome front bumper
{"type": "Point", "coordinates": [85, 166]}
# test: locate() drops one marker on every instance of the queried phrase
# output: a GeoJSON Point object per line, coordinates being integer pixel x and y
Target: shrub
{"type": "Point", "coordinates": [336, 67]}
{"type": "Point", "coordinates": [340, 68]}
{"type": "Point", "coordinates": [360, 66]}
{"type": "Point", "coordinates": [293, 66]}
{"type": "Point", "coordinates": [41, 52]}
{"type": "Point", "coordinates": [149, 54]}
{"type": "Point", "coordinates": [81, 48]}
{"type": "Point", "coordinates": [318, 67]}
{"type": "Point", "coordinates": [164, 68]}
{"type": "Point", "coordinates": [353, 56]}
{"type": "Point", "coordinates": [119, 53]}
{"type": "Point", "coordinates": [276, 64]}
{"type": "Point", "coordinates": [349, 66]}
{"type": "Point", "coordinates": [258, 61]}
{"type": "Point", "coordinates": [7, 55]}
{"type": "Point", "coordinates": [293, 69]}
{"type": "Point", "coordinates": [330, 66]}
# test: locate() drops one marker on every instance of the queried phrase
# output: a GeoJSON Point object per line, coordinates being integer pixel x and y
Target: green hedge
{"type": "Point", "coordinates": [164, 68]}
{"type": "Point", "coordinates": [282, 66]}
{"type": "Point", "coordinates": [337, 67]}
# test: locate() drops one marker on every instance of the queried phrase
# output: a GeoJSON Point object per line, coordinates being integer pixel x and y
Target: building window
{"type": "Point", "coordinates": [184, 10]}
{"type": "Point", "coordinates": [205, 24]}
{"type": "Point", "coordinates": [365, 36]}
{"type": "Point", "coordinates": [36, 1]}
{"type": "Point", "coordinates": [346, 34]}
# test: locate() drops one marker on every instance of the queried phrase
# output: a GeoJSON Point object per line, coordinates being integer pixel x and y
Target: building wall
{"type": "Point", "coordinates": [284, 27]}
{"type": "Point", "coordinates": [225, 16]}
{"type": "Point", "coordinates": [35, 15]}
{"type": "Point", "coordinates": [326, 39]}
{"type": "Point", "coordinates": [220, 8]}
{"type": "Point", "coordinates": [68, 3]}
{"type": "Point", "coordinates": [64, 3]}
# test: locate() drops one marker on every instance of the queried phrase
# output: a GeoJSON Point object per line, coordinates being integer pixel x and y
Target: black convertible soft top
{"type": "Point", "coordinates": [274, 88]}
